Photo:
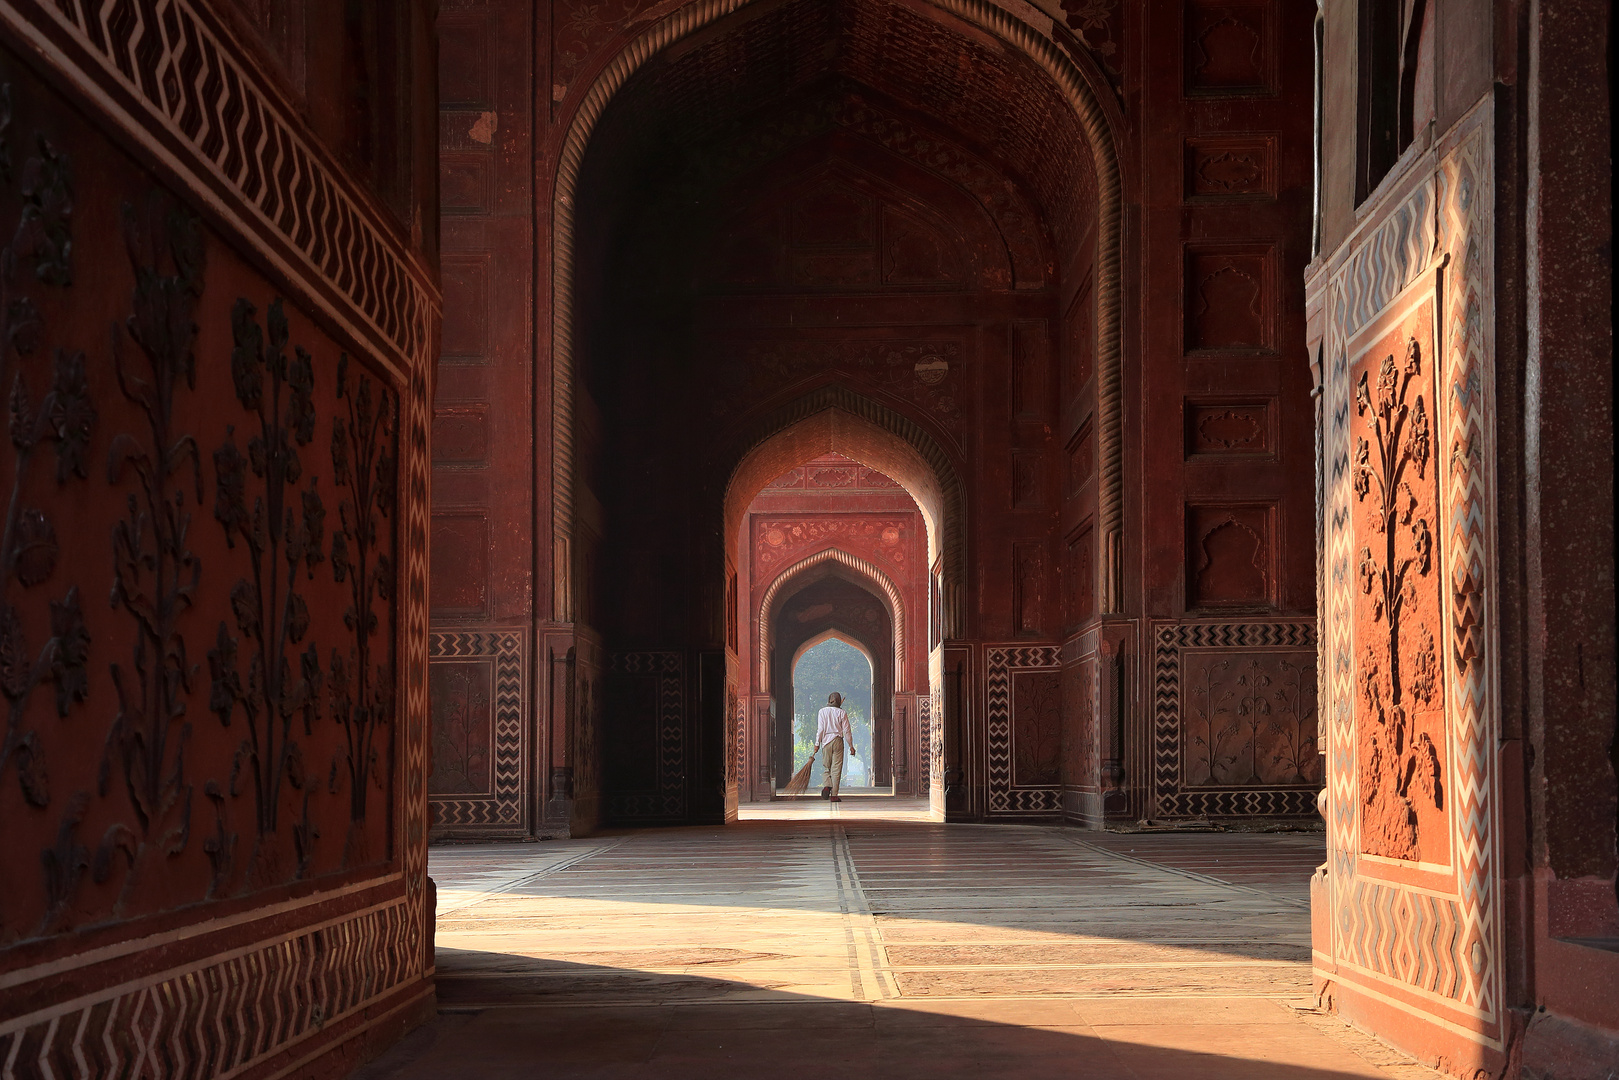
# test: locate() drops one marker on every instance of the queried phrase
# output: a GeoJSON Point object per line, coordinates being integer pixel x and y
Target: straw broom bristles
{"type": "Point", "coordinates": [800, 781]}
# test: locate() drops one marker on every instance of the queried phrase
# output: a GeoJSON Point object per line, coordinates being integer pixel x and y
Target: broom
{"type": "Point", "coordinates": [800, 781]}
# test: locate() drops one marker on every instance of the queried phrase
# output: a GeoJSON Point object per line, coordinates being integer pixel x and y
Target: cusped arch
{"type": "Point", "coordinates": [832, 633]}
{"type": "Point", "coordinates": [835, 419]}
{"type": "Point", "coordinates": [1097, 118]}
{"type": "Point", "coordinates": [863, 568]}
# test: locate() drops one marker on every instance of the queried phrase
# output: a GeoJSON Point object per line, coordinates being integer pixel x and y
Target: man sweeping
{"type": "Point", "coordinates": [833, 732]}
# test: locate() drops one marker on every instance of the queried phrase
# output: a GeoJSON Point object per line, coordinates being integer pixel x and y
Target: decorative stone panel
{"type": "Point", "coordinates": [1023, 729]}
{"type": "Point", "coordinates": [1234, 719]}
{"type": "Point", "coordinates": [477, 688]}
{"type": "Point", "coordinates": [1413, 913]}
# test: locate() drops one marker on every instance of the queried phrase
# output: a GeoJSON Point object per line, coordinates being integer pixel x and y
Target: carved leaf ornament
{"type": "Point", "coordinates": [1399, 762]}
{"type": "Point", "coordinates": [39, 254]}
{"type": "Point", "coordinates": [155, 573]}
{"type": "Point", "coordinates": [283, 532]}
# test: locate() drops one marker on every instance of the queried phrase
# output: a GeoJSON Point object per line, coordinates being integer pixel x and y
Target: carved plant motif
{"type": "Point", "coordinates": [155, 573]}
{"type": "Point", "coordinates": [63, 418]}
{"type": "Point", "coordinates": [1210, 705]}
{"type": "Point", "coordinates": [284, 533]}
{"type": "Point", "coordinates": [1398, 762]}
{"type": "Point", "coordinates": [460, 739]}
{"type": "Point", "coordinates": [1253, 710]}
{"type": "Point", "coordinates": [1293, 723]}
{"type": "Point", "coordinates": [365, 464]}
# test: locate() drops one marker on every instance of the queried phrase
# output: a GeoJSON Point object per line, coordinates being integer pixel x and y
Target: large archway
{"type": "Point", "coordinates": [1090, 107]}
{"type": "Point", "coordinates": [902, 590]}
{"type": "Point", "coordinates": [757, 268]}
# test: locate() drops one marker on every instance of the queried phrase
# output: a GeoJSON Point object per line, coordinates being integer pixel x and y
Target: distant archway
{"type": "Point", "coordinates": [784, 584]}
{"type": "Point", "coordinates": [1079, 83]}
{"type": "Point", "coordinates": [827, 601]}
{"type": "Point", "coordinates": [837, 420]}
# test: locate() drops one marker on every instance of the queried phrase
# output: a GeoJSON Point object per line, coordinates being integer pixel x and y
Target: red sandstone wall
{"type": "Point", "coordinates": [1470, 778]}
{"type": "Point", "coordinates": [855, 230]}
{"type": "Point", "coordinates": [213, 576]}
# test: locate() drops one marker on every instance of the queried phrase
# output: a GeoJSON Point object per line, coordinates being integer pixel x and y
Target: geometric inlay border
{"type": "Point", "coordinates": [1005, 796]}
{"type": "Point", "coordinates": [505, 810]}
{"type": "Point", "coordinates": [1171, 641]}
{"type": "Point", "coordinates": [235, 1010]}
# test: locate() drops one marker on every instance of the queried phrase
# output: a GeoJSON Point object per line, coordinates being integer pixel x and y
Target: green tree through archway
{"type": "Point", "coordinates": [833, 665]}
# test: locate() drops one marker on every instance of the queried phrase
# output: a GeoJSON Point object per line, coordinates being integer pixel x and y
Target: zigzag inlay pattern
{"type": "Point", "coordinates": [186, 79]}
{"type": "Point", "coordinates": [227, 1015]}
{"type": "Point", "coordinates": [504, 811]}
{"type": "Point", "coordinates": [1004, 796]}
{"type": "Point", "coordinates": [1171, 642]}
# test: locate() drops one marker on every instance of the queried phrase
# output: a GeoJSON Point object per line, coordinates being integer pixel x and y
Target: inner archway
{"type": "Point", "coordinates": [834, 662]}
{"type": "Point", "coordinates": [822, 542]}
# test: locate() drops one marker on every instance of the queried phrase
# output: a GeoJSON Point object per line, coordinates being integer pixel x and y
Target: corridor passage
{"type": "Point", "coordinates": [864, 941]}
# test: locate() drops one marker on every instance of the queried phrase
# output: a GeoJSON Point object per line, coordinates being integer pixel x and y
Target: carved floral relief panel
{"type": "Point", "coordinates": [197, 569]}
{"type": "Point", "coordinates": [889, 540]}
{"type": "Point", "coordinates": [1250, 720]}
{"type": "Point", "coordinates": [1410, 670]}
{"type": "Point", "coordinates": [1399, 597]}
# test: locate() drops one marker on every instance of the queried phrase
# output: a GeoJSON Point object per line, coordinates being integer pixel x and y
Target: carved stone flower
{"type": "Point", "coordinates": [246, 358]}
{"type": "Point", "coordinates": [72, 652]}
{"type": "Point", "coordinates": [230, 492]}
{"type": "Point", "coordinates": [36, 548]}
{"type": "Point", "coordinates": [1421, 443]}
{"type": "Point", "coordinates": [70, 413]}
{"type": "Point", "coordinates": [16, 665]}
{"type": "Point", "coordinates": [1388, 380]}
{"type": "Point", "coordinates": [300, 404]}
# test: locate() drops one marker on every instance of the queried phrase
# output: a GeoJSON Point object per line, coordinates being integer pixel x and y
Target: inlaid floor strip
{"type": "Point", "coordinates": [866, 940]}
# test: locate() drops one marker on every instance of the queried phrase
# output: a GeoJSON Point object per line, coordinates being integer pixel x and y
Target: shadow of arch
{"type": "Point", "coordinates": [835, 419]}
{"type": "Point", "coordinates": [1082, 86]}
{"type": "Point", "coordinates": [787, 583]}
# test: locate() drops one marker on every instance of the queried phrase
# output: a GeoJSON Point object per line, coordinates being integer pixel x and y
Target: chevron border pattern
{"type": "Point", "coordinates": [235, 1011]}
{"type": "Point", "coordinates": [1171, 642]}
{"type": "Point", "coordinates": [174, 71]}
{"type": "Point", "coordinates": [1430, 950]}
{"type": "Point", "coordinates": [1005, 797]}
{"type": "Point", "coordinates": [667, 801]}
{"type": "Point", "coordinates": [503, 811]}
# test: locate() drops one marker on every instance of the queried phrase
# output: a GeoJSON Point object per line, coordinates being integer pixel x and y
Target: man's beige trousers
{"type": "Point", "coordinates": [833, 761]}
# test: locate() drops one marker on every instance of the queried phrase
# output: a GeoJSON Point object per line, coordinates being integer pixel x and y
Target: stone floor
{"type": "Point", "coordinates": [862, 940]}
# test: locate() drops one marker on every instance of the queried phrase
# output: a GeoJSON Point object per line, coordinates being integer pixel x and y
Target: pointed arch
{"type": "Point", "coordinates": [859, 566]}
{"type": "Point", "coordinates": [834, 418]}
{"type": "Point", "coordinates": [1098, 117]}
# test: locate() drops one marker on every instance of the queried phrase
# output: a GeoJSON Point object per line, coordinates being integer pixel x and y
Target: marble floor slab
{"type": "Point", "coordinates": [863, 940]}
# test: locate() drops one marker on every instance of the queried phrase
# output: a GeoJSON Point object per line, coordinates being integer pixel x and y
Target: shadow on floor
{"type": "Point", "coordinates": [792, 1035]}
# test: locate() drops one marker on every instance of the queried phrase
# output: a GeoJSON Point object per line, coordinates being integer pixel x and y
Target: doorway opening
{"type": "Point", "coordinates": [839, 529]}
{"type": "Point", "coordinates": [833, 664]}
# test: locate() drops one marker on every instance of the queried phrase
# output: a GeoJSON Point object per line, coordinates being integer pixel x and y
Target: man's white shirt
{"type": "Point", "coordinates": [831, 723]}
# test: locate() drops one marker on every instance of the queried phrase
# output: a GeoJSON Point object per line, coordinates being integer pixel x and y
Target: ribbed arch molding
{"type": "Point", "coordinates": [864, 569]}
